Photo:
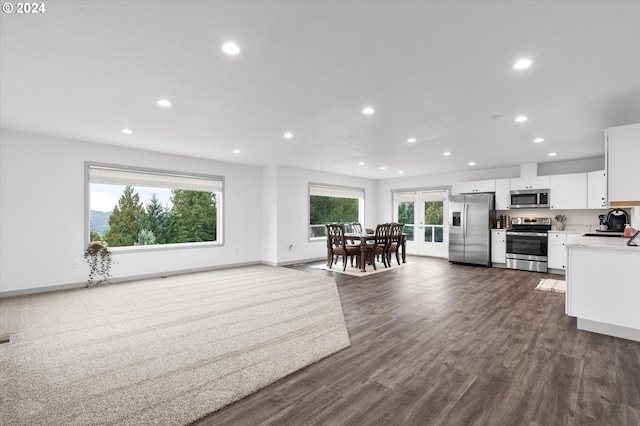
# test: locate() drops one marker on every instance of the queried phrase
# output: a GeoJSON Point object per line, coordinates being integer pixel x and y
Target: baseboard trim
{"type": "Point", "coordinates": [609, 329]}
{"type": "Point", "coordinates": [71, 286]}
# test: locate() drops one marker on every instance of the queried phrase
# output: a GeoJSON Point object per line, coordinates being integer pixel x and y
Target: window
{"type": "Point", "coordinates": [433, 216]}
{"type": "Point", "coordinates": [405, 202]}
{"type": "Point", "coordinates": [130, 207]}
{"type": "Point", "coordinates": [333, 204]}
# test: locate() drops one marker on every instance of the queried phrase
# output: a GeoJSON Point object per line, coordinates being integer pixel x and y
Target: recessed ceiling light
{"type": "Point", "coordinates": [446, 154]}
{"type": "Point", "coordinates": [164, 103]}
{"type": "Point", "coordinates": [521, 118]}
{"type": "Point", "coordinates": [368, 111]}
{"type": "Point", "coordinates": [383, 168]}
{"type": "Point", "coordinates": [472, 163]}
{"type": "Point", "coordinates": [231, 48]}
{"type": "Point", "coordinates": [538, 140]}
{"type": "Point", "coordinates": [401, 172]}
{"type": "Point", "coordinates": [236, 151]}
{"type": "Point", "coordinates": [361, 164]}
{"type": "Point", "coordinates": [522, 64]}
{"type": "Point", "coordinates": [412, 140]}
{"type": "Point", "coordinates": [288, 135]}
{"type": "Point", "coordinates": [553, 154]}
{"type": "Point", "coordinates": [127, 131]}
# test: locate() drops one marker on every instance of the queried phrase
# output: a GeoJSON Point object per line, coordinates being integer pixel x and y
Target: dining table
{"type": "Point", "coordinates": [364, 237]}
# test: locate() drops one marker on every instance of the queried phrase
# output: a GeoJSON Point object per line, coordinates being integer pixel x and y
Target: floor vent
{"type": "Point", "coordinates": [5, 338]}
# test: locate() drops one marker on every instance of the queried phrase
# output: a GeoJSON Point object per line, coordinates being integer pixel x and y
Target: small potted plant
{"type": "Point", "coordinates": [99, 259]}
{"type": "Point", "coordinates": [561, 219]}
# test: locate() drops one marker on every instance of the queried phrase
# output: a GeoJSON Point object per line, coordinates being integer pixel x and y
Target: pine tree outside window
{"type": "Point", "coordinates": [134, 207]}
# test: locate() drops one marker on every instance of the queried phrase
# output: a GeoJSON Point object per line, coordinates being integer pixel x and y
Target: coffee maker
{"type": "Point", "coordinates": [615, 220]}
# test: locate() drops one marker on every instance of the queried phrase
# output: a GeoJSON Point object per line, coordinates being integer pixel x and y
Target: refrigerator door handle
{"type": "Point", "coordinates": [464, 221]}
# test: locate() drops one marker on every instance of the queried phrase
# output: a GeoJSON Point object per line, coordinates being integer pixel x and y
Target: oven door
{"type": "Point", "coordinates": [527, 245]}
{"type": "Point", "coordinates": [527, 251]}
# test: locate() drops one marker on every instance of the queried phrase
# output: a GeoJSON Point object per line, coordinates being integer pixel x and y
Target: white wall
{"type": "Point", "coordinates": [42, 213]}
{"type": "Point", "coordinates": [269, 215]}
{"type": "Point", "coordinates": [293, 210]}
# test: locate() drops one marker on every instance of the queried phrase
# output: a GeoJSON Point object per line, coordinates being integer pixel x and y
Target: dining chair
{"type": "Point", "coordinates": [395, 235]}
{"type": "Point", "coordinates": [337, 244]}
{"type": "Point", "coordinates": [378, 248]}
{"type": "Point", "coordinates": [356, 228]}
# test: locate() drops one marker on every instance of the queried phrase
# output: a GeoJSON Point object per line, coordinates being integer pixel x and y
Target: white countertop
{"type": "Point", "coordinates": [603, 243]}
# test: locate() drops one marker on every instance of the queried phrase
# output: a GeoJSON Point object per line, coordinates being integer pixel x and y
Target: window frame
{"type": "Point", "coordinates": [220, 207]}
{"type": "Point", "coordinates": [339, 189]}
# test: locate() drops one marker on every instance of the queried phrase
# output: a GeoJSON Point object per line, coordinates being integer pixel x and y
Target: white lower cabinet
{"type": "Point", "coordinates": [557, 250]}
{"type": "Point", "coordinates": [498, 246]}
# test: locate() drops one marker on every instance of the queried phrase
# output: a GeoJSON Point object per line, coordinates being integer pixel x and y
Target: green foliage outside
{"type": "Point", "coordinates": [193, 218]}
{"type": "Point", "coordinates": [324, 210]}
{"type": "Point", "coordinates": [433, 212]}
{"type": "Point", "coordinates": [332, 209]}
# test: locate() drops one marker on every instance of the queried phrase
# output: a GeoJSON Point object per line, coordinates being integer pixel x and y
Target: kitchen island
{"type": "Point", "coordinates": [603, 286]}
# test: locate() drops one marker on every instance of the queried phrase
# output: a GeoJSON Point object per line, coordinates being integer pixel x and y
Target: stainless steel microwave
{"type": "Point", "coordinates": [530, 199]}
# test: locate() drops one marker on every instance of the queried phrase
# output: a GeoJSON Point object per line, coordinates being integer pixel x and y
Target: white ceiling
{"type": "Point", "coordinates": [438, 71]}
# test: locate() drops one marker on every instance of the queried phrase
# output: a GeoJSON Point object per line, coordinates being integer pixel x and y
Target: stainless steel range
{"type": "Point", "coordinates": [527, 243]}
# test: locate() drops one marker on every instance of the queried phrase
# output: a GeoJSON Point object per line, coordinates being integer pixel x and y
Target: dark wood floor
{"type": "Point", "coordinates": [434, 343]}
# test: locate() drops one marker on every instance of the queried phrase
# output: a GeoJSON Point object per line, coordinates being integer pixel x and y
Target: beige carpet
{"type": "Point", "coordinates": [356, 272]}
{"type": "Point", "coordinates": [162, 351]}
{"type": "Point", "coordinates": [558, 286]}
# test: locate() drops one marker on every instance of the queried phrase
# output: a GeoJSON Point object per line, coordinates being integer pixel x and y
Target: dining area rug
{"type": "Point", "coordinates": [162, 351]}
{"type": "Point", "coordinates": [355, 271]}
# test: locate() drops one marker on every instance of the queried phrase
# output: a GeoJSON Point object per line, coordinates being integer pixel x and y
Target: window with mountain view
{"type": "Point", "coordinates": [329, 204]}
{"type": "Point", "coordinates": [129, 207]}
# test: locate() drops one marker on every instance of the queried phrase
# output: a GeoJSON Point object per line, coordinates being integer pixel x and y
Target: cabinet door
{"type": "Point", "coordinates": [498, 247]}
{"type": "Point", "coordinates": [623, 173]}
{"type": "Point", "coordinates": [596, 190]}
{"type": "Point", "coordinates": [474, 186]}
{"type": "Point", "coordinates": [464, 188]}
{"type": "Point", "coordinates": [517, 184]}
{"type": "Point", "coordinates": [557, 253]}
{"type": "Point", "coordinates": [537, 182]}
{"type": "Point", "coordinates": [503, 198]}
{"type": "Point", "coordinates": [485, 186]}
{"type": "Point", "coordinates": [569, 191]}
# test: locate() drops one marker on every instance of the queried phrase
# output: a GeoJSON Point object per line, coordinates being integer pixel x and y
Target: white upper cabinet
{"type": "Point", "coordinates": [596, 190]}
{"type": "Point", "coordinates": [623, 172]}
{"type": "Point", "coordinates": [475, 186]}
{"type": "Point", "coordinates": [503, 198]}
{"type": "Point", "coordinates": [537, 182]}
{"type": "Point", "coordinates": [568, 191]}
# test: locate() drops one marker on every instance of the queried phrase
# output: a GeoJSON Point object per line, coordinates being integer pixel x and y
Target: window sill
{"type": "Point", "coordinates": [163, 247]}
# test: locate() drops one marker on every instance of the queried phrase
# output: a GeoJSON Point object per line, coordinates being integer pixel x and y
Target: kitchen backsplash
{"type": "Point", "coordinates": [577, 220]}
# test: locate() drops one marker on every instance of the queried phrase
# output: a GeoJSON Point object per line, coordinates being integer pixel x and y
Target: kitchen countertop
{"type": "Point", "coordinates": [603, 243]}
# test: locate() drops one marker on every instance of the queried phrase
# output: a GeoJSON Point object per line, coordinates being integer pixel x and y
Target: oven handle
{"type": "Point", "coordinates": [528, 234]}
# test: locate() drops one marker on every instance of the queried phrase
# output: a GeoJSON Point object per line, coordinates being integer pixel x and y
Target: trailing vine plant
{"type": "Point", "coordinates": [98, 257]}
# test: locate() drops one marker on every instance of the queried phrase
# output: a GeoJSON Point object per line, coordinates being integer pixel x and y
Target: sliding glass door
{"type": "Point", "coordinates": [423, 214]}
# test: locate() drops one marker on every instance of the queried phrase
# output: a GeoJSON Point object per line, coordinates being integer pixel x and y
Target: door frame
{"type": "Point", "coordinates": [418, 246]}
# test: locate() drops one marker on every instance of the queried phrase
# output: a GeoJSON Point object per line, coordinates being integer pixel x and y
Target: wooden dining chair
{"type": "Point", "coordinates": [356, 228]}
{"type": "Point", "coordinates": [337, 244]}
{"type": "Point", "coordinates": [378, 248]}
{"type": "Point", "coordinates": [395, 236]}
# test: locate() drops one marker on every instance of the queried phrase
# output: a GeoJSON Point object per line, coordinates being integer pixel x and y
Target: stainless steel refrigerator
{"type": "Point", "coordinates": [470, 220]}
